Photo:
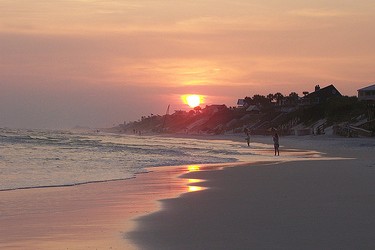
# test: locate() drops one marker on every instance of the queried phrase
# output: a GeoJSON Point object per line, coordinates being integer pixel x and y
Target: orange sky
{"type": "Point", "coordinates": [97, 63]}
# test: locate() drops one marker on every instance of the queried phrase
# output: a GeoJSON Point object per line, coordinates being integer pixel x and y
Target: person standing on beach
{"type": "Point", "coordinates": [276, 143]}
{"type": "Point", "coordinates": [247, 132]}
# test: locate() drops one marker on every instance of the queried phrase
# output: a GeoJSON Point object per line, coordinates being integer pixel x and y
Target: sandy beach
{"type": "Point", "coordinates": [314, 203]}
{"type": "Point", "coordinates": [323, 204]}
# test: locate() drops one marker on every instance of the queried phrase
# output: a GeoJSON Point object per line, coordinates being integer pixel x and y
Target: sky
{"type": "Point", "coordinates": [66, 63]}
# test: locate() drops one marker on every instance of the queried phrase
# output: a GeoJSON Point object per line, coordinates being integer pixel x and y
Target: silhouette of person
{"type": "Point", "coordinates": [247, 132]}
{"type": "Point", "coordinates": [276, 143]}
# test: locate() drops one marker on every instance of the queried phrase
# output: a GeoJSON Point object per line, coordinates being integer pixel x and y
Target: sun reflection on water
{"type": "Point", "coordinates": [193, 168]}
{"type": "Point", "coordinates": [192, 188]}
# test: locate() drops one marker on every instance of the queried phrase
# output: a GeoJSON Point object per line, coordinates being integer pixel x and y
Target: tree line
{"type": "Point", "coordinates": [270, 98]}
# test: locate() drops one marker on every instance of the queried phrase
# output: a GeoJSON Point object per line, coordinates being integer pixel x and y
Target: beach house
{"type": "Point", "coordinates": [367, 93]}
{"type": "Point", "coordinates": [320, 95]}
{"type": "Point", "coordinates": [241, 103]}
{"type": "Point", "coordinates": [213, 109]}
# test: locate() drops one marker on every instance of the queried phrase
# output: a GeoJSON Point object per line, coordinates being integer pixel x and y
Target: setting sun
{"type": "Point", "coordinates": [192, 100]}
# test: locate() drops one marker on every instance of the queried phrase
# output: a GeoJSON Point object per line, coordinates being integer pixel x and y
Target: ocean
{"type": "Point", "coordinates": [47, 158]}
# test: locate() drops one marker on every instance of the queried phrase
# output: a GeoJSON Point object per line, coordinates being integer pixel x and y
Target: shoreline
{"type": "Point", "coordinates": [83, 216]}
{"type": "Point", "coordinates": [99, 214]}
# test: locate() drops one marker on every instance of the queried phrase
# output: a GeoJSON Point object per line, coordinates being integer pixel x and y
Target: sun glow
{"type": "Point", "coordinates": [192, 100]}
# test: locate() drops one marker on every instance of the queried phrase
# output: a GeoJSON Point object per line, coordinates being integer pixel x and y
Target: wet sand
{"type": "Point", "coordinates": [90, 216]}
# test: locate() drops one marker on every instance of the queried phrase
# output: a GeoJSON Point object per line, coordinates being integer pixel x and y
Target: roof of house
{"type": "Point", "coordinates": [369, 88]}
{"type": "Point", "coordinates": [325, 92]}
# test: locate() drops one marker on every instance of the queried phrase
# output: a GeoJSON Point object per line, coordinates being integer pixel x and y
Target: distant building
{"type": "Point", "coordinates": [212, 109]}
{"type": "Point", "coordinates": [179, 113]}
{"type": "Point", "coordinates": [367, 93]}
{"type": "Point", "coordinates": [320, 95]}
{"type": "Point", "coordinates": [288, 101]}
{"type": "Point", "coordinates": [241, 103]}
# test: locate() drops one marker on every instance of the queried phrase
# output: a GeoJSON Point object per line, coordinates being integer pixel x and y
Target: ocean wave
{"type": "Point", "coordinates": [41, 158]}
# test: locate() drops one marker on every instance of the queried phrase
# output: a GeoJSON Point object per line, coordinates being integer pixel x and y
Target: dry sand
{"type": "Point", "coordinates": [315, 204]}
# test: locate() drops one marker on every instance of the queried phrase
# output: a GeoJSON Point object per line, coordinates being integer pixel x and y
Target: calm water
{"type": "Point", "coordinates": [37, 158]}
